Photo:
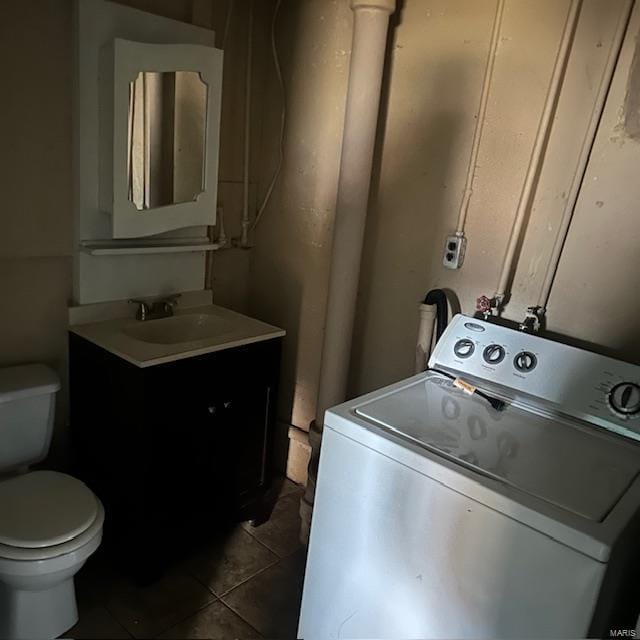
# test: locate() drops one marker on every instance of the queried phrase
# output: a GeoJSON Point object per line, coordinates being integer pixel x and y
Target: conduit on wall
{"type": "Point", "coordinates": [370, 27]}
{"type": "Point", "coordinates": [535, 160]}
{"type": "Point", "coordinates": [585, 153]}
{"type": "Point", "coordinates": [482, 113]}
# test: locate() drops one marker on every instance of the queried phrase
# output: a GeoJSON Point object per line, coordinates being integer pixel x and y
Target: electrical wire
{"type": "Point", "coordinates": [227, 23]}
{"type": "Point", "coordinates": [283, 119]}
{"type": "Point", "coordinates": [496, 403]}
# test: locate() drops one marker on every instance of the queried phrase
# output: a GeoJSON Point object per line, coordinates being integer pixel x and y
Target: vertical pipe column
{"type": "Point", "coordinates": [370, 26]}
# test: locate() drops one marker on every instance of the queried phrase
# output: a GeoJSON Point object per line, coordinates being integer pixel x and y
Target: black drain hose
{"type": "Point", "coordinates": [439, 298]}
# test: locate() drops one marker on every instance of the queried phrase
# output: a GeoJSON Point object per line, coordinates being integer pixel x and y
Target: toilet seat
{"type": "Point", "coordinates": [17, 555]}
{"type": "Point", "coordinates": [42, 512]}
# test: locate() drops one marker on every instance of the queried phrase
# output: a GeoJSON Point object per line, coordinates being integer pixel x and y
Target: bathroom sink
{"type": "Point", "coordinates": [194, 330]}
{"type": "Point", "coordinates": [188, 327]}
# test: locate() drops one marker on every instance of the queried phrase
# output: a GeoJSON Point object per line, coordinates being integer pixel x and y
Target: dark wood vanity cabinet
{"type": "Point", "coordinates": [177, 450]}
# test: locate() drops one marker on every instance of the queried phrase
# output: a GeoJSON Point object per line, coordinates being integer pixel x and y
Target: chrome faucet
{"type": "Point", "coordinates": [162, 308]}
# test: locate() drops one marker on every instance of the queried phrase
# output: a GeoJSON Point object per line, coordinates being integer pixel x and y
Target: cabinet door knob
{"type": "Point", "coordinates": [211, 410]}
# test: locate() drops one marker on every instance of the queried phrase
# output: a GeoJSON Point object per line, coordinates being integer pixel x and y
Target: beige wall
{"type": "Point", "coordinates": [423, 162]}
{"type": "Point", "coordinates": [436, 59]}
{"type": "Point", "coordinates": [35, 168]}
{"type": "Point", "coordinates": [436, 62]}
{"type": "Point", "coordinates": [289, 270]}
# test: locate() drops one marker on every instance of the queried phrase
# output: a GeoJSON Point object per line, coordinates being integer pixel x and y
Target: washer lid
{"type": "Point", "coordinates": [27, 380]}
{"type": "Point", "coordinates": [576, 467]}
{"type": "Point", "coordinates": [44, 508]}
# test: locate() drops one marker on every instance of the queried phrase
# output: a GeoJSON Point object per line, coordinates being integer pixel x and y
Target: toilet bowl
{"type": "Point", "coordinates": [50, 522]}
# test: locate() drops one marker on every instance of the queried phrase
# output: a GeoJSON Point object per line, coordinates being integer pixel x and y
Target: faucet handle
{"type": "Point", "coordinates": [172, 300]}
{"type": "Point", "coordinates": [143, 308]}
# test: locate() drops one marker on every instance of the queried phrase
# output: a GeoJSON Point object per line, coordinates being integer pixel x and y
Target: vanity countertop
{"type": "Point", "coordinates": [191, 331]}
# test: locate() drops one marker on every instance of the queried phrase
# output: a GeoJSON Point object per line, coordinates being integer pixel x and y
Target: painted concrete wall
{"type": "Point", "coordinates": [423, 161]}
{"type": "Point", "coordinates": [596, 294]}
{"type": "Point", "coordinates": [437, 54]}
{"type": "Point", "coordinates": [289, 270]}
{"type": "Point", "coordinates": [35, 164]}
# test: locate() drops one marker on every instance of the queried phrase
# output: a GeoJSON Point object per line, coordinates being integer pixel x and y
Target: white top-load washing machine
{"type": "Point", "coordinates": [438, 516]}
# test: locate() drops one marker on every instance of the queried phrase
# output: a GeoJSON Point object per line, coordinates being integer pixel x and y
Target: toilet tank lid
{"type": "Point", "coordinates": [27, 380]}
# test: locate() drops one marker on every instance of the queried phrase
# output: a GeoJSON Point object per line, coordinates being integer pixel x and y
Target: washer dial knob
{"type": "Point", "coordinates": [525, 361]}
{"type": "Point", "coordinates": [494, 354]}
{"type": "Point", "coordinates": [464, 348]}
{"type": "Point", "coordinates": [624, 399]}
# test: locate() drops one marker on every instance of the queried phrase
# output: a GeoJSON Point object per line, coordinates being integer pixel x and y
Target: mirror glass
{"type": "Point", "coordinates": [166, 146]}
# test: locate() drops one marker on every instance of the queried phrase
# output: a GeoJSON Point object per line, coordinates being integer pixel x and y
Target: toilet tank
{"type": "Point", "coordinates": [27, 403]}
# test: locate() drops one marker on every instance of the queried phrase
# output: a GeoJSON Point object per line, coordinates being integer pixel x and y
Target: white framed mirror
{"type": "Point", "coordinates": [167, 129]}
{"type": "Point", "coordinates": [160, 138]}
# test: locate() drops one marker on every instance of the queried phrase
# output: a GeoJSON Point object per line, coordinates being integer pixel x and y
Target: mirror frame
{"type": "Point", "coordinates": [128, 60]}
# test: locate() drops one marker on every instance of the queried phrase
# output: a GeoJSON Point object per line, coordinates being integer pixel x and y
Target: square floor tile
{"type": "Point", "coordinates": [270, 601]}
{"type": "Point", "coordinates": [147, 611]}
{"type": "Point", "coordinates": [230, 560]}
{"type": "Point", "coordinates": [96, 623]}
{"type": "Point", "coordinates": [281, 533]}
{"type": "Point", "coordinates": [215, 621]}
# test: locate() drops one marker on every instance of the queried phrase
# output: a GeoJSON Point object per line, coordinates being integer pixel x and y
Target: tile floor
{"type": "Point", "coordinates": [247, 585]}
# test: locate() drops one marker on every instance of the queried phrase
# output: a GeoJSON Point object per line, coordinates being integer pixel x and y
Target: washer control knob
{"type": "Point", "coordinates": [464, 348]}
{"type": "Point", "coordinates": [493, 354]}
{"type": "Point", "coordinates": [525, 361]}
{"type": "Point", "coordinates": [624, 400]}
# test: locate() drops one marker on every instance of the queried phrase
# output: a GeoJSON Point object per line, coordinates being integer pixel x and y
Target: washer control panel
{"type": "Point", "coordinates": [577, 382]}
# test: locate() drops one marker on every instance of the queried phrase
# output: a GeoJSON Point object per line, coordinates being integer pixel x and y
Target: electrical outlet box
{"type": "Point", "coordinates": [454, 249]}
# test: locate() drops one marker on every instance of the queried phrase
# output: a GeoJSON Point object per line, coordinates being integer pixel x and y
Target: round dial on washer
{"type": "Point", "coordinates": [624, 399]}
{"type": "Point", "coordinates": [464, 348]}
{"type": "Point", "coordinates": [493, 354]}
{"type": "Point", "coordinates": [525, 361]}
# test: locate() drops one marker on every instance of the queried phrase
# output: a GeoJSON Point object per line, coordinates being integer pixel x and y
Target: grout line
{"type": "Point", "coordinates": [242, 618]}
{"type": "Point", "coordinates": [255, 575]}
{"type": "Point", "coordinates": [119, 623]}
{"type": "Point", "coordinates": [268, 548]}
{"type": "Point", "coordinates": [193, 613]}
{"type": "Point", "coordinates": [101, 605]}
{"type": "Point", "coordinates": [251, 577]}
{"type": "Point", "coordinates": [200, 608]}
{"type": "Point", "coordinates": [250, 531]}
{"type": "Point", "coordinates": [279, 555]}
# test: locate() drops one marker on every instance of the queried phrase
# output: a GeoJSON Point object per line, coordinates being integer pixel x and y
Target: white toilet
{"type": "Point", "coordinates": [50, 523]}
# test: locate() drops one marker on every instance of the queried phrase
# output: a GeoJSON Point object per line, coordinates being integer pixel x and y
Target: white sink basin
{"type": "Point", "coordinates": [188, 327]}
{"type": "Point", "coordinates": [193, 331]}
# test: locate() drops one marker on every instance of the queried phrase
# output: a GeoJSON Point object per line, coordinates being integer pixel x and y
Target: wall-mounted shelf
{"type": "Point", "coordinates": [125, 248]}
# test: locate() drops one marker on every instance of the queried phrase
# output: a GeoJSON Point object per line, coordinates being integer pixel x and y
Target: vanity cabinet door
{"type": "Point", "coordinates": [247, 423]}
{"type": "Point", "coordinates": [188, 458]}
